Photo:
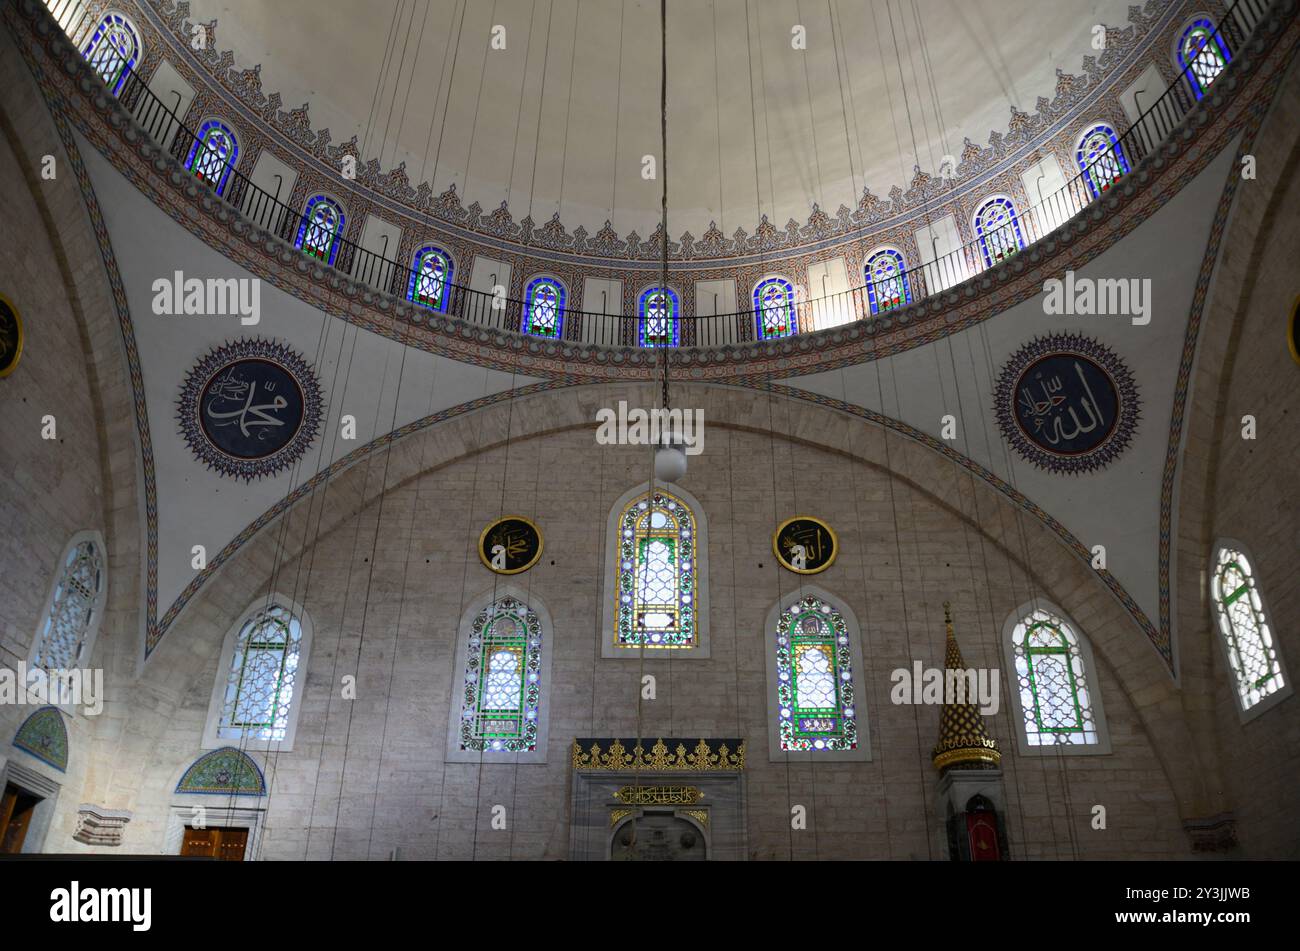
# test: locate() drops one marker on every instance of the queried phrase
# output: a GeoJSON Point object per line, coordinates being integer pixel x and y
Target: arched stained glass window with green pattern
{"type": "Point", "coordinates": [263, 675]}
{"type": "Point", "coordinates": [656, 573]}
{"type": "Point", "coordinates": [1055, 691]}
{"type": "Point", "coordinates": [1252, 652]}
{"type": "Point", "coordinates": [502, 682]}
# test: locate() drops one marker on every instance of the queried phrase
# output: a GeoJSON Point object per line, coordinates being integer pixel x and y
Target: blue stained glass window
{"type": "Point", "coordinates": [502, 687]}
{"type": "Point", "coordinates": [1101, 158]}
{"type": "Point", "coordinates": [774, 308]}
{"type": "Point", "coordinates": [544, 308]}
{"type": "Point", "coordinates": [213, 154]}
{"type": "Point", "coordinates": [113, 50]}
{"type": "Point", "coordinates": [998, 230]}
{"type": "Point", "coordinates": [887, 285]}
{"type": "Point", "coordinates": [658, 325]}
{"type": "Point", "coordinates": [656, 573]}
{"type": "Point", "coordinates": [431, 275]}
{"type": "Point", "coordinates": [1202, 55]}
{"type": "Point", "coordinates": [321, 230]}
{"type": "Point", "coordinates": [814, 670]}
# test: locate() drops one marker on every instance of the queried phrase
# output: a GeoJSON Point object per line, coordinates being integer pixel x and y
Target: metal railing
{"type": "Point", "coordinates": [870, 300]}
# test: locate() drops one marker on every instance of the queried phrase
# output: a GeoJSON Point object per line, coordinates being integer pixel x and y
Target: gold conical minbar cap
{"type": "Point", "coordinates": [964, 743]}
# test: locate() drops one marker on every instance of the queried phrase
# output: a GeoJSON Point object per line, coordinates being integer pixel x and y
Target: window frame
{"type": "Point", "coordinates": [82, 660]}
{"type": "Point", "coordinates": [1184, 67]}
{"type": "Point", "coordinates": [1244, 714]}
{"type": "Point", "coordinates": [454, 754]}
{"type": "Point", "coordinates": [210, 740]}
{"type": "Point", "coordinates": [1011, 684]}
{"type": "Point", "coordinates": [304, 225]}
{"type": "Point", "coordinates": [561, 307]}
{"type": "Point", "coordinates": [982, 237]}
{"type": "Point", "coordinates": [675, 321]}
{"type": "Point", "coordinates": [609, 647]}
{"type": "Point", "coordinates": [1116, 150]}
{"type": "Point", "coordinates": [792, 303]}
{"type": "Point", "coordinates": [854, 631]}
{"type": "Point", "coordinates": [448, 286]}
{"type": "Point", "coordinates": [873, 294]}
{"type": "Point", "coordinates": [192, 157]}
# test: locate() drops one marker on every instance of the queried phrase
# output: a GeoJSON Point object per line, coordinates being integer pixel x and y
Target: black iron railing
{"type": "Point", "coordinates": [875, 298]}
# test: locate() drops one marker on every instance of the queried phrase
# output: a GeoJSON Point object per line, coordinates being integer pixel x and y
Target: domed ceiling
{"type": "Point", "coordinates": [561, 118]}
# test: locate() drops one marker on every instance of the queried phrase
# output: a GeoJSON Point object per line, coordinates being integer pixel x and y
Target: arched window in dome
{"type": "Point", "coordinates": [431, 274]}
{"type": "Point", "coordinates": [812, 672]}
{"type": "Point", "coordinates": [498, 705]}
{"type": "Point", "coordinates": [544, 308]}
{"type": "Point", "coordinates": [656, 568]}
{"type": "Point", "coordinates": [774, 308]}
{"type": "Point", "coordinates": [213, 154]}
{"type": "Point", "coordinates": [321, 230]}
{"type": "Point", "coordinates": [1055, 690]}
{"type": "Point", "coordinates": [1202, 54]}
{"type": "Point", "coordinates": [1243, 623]}
{"type": "Point", "coordinates": [1101, 158]}
{"type": "Point", "coordinates": [887, 285]}
{"type": "Point", "coordinates": [113, 50]}
{"type": "Point", "coordinates": [658, 324]}
{"type": "Point", "coordinates": [998, 229]}
{"type": "Point", "coordinates": [256, 698]}
{"type": "Point", "coordinates": [67, 630]}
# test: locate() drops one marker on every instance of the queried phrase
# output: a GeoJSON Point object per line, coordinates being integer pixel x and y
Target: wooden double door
{"type": "Point", "coordinates": [224, 844]}
{"type": "Point", "coordinates": [16, 808]}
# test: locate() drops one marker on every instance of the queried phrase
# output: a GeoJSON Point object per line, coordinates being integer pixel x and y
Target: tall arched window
{"type": "Point", "coordinates": [257, 694]}
{"type": "Point", "coordinates": [1101, 158]}
{"type": "Point", "coordinates": [499, 700]}
{"type": "Point", "coordinates": [1057, 698]}
{"type": "Point", "coordinates": [431, 274]}
{"type": "Point", "coordinates": [998, 229]}
{"type": "Point", "coordinates": [886, 276]}
{"type": "Point", "coordinates": [657, 595]}
{"type": "Point", "coordinates": [659, 311]}
{"type": "Point", "coordinates": [67, 630]}
{"type": "Point", "coordinates": [1243, 622]}
{"type": "Point", "coordinates": [213, 154]}
{"type": "Point", "coordinates": [321, 229]}
{"type": "Point", "coordinates": [1202, 54]}
{"type": "Point", "coordinates": [813, 660]}
{"type": "Point", "coordinates": [113, 50]}
{"type": "Point", "coordinates": [544, 308]}
{"type": "Point", "coordinates": [774, 308]}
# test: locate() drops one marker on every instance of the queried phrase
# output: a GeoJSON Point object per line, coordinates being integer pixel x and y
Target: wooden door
{"type": "Point", "coordinates": [226, 845]}
{"type": "Point", "coordinates": [16, 808]}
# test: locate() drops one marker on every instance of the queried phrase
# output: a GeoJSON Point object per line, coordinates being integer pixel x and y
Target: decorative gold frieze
{"type": "Point", "coordinates": [616, 814]}
{"type": "Point", "coordinates": [613, 754]}
{"type": "Point", "coordinates": [700, 815]}
{"type": "Point", "coordinates": [659, 795]}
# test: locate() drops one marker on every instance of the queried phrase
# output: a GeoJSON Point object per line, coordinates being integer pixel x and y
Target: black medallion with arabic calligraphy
{"type": "Point", "coordinates": [805, 545]}
{"type": "Point", "coordinates": [1067, 403]}
{"type": "Point", "coordinates": [510, 545]}
{"type": "Point", "coordinates": [250, 408]}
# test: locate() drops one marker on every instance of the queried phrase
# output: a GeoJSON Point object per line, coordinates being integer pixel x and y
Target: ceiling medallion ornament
{"type": "Point", "coordinates": [1067, 403]}
{"type": "Point", "coordinates": [11, 336]}
{"type": "Point", "coordinates": [510, 545]}
{"type": "Point", "coordinates": [805, 545]}
{"type": "Point", "coordinates": [250, 408]}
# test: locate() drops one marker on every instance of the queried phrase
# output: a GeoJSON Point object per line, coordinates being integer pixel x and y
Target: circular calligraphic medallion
{"type": "Point", "coordinates": [1067, 403]}
{"type": "Point", "coordinates": [510, 545]}
{"type": "Point", "coordinates": [250, 409]}
{"type": "Point", "coordinates": [805, 545]}
{"type": "Point", "coordinates": [11, 336]}
{"type": "Point", "coordinates": [1292, 332]}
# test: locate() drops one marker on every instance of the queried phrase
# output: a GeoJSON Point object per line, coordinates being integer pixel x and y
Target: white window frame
{"type": "Point", "coordinates": [1012, 683]}
{"type": "Point", "coordinates": [475, 607]}
{"type": "Point", "coordinates": [246, 744]}
{"type": "Point", "coordinates": [775, 753]}
{"type": "Point", "coordinates": [82, 660]}
{"type": "Point", "coordinates": [1244, 714]}
{"type": "Point", "coordinates": [609, 581]}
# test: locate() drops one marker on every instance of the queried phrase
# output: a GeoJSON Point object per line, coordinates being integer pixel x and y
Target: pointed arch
{"type": "Point", "coordinates": [223, 772]}
{"type": "Point", "coordinates": [1254, 657]}
{"type": "Point", "coordinates": [656, 591]}
{"type": "Point", "coordinates": [815, 696]}
{"type": "Point", "coordinates": [44, 735]}
{"type": "Point", "coordinates": [65, 637]}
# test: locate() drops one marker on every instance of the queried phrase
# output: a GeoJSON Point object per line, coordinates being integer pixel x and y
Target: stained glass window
{"type": "Point", "coordinates": [113, 50]}
{"type": "Point", "coordinates": [814, 678]}
{"type": "Point", "coordinates": [887, 285]}
{"type": "Point", "coordinates": [74, 612]}
{"type": "Point", "coordinates": [322, 229]}
{"type": "Point", "coordinates": [774, 307]}
{"type": "Point", "coordinates": [262, 677]}
{"type": "Point", "coordinates": [1202, 55]}
{"type": "Point", "coordinates": [1101, 158]}
{"type": "Point", "coordinates": [656, 573]}
{"type": "Point", "coordinates": [998, 229]}
{"type": "Point", "coordinates": [1252, 652]}
{"type": "Point", "coordinates": [658, 325]}
{"type": "Point", "coordinates": [1055, 692]}
{"type": "Point", "coordinates": [431, 275]}
{"type": "Point", "coordinates": [213, 154]}
{"type": "Point", "coordinates": [544, 307]}
{"type": "Point", "coordinates": [502, 693]}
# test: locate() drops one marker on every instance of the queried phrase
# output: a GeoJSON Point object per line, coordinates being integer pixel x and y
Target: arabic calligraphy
{"type": "Point", "coordinates": [510, 545]}
{"type": "Point", "coordinates": [1066, 404]}
{"type": "Point", "coordinates": [11, 337]}
{"type": "Point", "coordinates": [251, 408]}
{"type": "Point", "coordinates": [805, 545]}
